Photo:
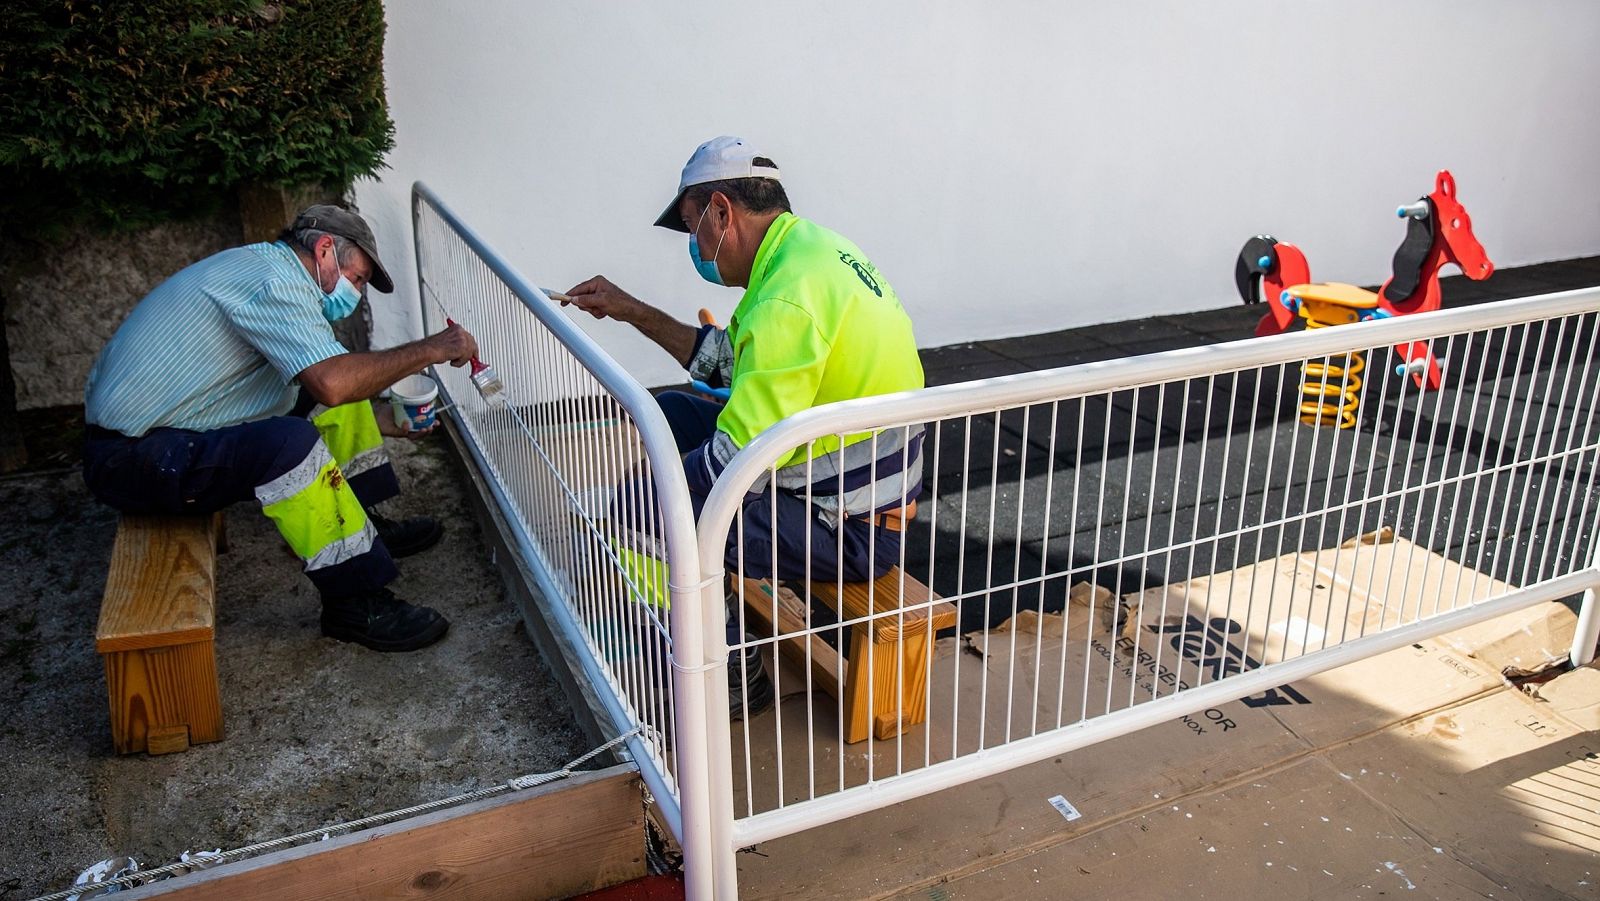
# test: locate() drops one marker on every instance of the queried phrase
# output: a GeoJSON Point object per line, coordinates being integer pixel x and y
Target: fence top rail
{"type": "Point", "coordinates": [908, 407]}
{"type": "Point", "coordinates": [654, 433]}
{"type": "Point", "coordinates": [605, 368]}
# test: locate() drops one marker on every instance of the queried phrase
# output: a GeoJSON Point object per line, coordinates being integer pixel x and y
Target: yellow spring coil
{"type": "Point", "coordinates": [1332, 389]}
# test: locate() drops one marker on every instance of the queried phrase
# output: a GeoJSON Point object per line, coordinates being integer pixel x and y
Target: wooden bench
{"type": "Point", "coordinates": [157, 625]}
{"type": "Point", "coordinates": [895, 691]}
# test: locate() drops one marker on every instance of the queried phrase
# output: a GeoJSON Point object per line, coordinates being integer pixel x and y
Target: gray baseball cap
{"type": "Point", "coordinates": [348, 225]}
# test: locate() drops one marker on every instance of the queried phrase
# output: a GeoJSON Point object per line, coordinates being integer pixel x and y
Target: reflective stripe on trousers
{"type": "Point", "coordinates": [317, 505]}
{"type": "Point", "coordinates": [282, 463]}
{"type": "Point", "coordinates": [349, 430]}
{"type": "Point", "coordinates": [317, 512]}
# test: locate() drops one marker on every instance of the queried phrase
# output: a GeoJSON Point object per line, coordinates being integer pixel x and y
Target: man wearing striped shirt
{"type": "Point", "coordinates": [226, 384]}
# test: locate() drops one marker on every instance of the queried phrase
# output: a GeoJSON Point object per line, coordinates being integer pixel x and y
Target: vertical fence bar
{"type": "Point", "coordinates": [711, 721]}
{"type": "Point", "coordinates": [1588, 631]}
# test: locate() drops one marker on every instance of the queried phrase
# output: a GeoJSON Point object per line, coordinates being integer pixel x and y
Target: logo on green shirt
{"type": "Point", "coordinates": [863, 270]}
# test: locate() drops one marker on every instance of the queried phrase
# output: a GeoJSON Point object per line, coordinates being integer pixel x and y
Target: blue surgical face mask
{"type": "Point", "coordinates": [707, 268]}
{"type": "Point", "coordinates": [342, 301]}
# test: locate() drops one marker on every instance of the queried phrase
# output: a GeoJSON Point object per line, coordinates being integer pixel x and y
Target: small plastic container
{"type": "Point", "coordinates": [413, 401]}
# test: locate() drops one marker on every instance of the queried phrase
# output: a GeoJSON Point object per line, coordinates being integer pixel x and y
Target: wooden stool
{"type": "Point", "coordinates": [898, 647]}
{"type": "Point", "coordinates": [157, 625]}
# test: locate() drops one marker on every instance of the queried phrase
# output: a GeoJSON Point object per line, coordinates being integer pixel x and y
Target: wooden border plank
{"type": "Point", "coordinates": [554, 841]}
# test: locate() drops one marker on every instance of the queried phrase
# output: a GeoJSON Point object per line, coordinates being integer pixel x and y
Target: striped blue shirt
{"type": "Point", "coordinates": [218, 344]}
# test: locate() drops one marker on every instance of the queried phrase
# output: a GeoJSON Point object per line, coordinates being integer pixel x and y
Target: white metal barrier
{"type": "Point", "coordinates": [1133, 475]}
{"type": "Point", "coordinates": [572, 429]}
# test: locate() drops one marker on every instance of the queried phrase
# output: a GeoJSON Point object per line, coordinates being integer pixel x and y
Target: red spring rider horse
{"type": "Point", "coordinates": [1438, 231]}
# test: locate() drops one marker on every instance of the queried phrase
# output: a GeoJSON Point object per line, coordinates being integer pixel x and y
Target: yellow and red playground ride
{"type": "Point", "coordinates": [1438, 231]}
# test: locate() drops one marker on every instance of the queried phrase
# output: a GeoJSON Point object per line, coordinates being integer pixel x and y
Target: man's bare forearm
{"type": "Point", "coordinates": [358, 376]}
{"type": "Point", "coordinates": [676, 338]}
{"type": "Point", "coordinates": [603, 300]}
{"type": "Point", "coordinates": [350, 377]}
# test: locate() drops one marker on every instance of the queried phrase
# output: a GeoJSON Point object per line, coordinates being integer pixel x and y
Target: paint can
{"type": "Point", "coordinates": [412, 399]}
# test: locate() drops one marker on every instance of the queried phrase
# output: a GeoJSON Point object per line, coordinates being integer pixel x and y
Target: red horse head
{"type": "Point", "coordinates": [1438, 231]}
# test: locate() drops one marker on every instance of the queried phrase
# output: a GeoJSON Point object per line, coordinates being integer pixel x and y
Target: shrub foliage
{"type": "Point", "coordinates": [124, 113]}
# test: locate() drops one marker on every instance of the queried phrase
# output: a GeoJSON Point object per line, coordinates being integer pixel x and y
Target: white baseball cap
{"type": "Point", "coordinates": [715, 160]}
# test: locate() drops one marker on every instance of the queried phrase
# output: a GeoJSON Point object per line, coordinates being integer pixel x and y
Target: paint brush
{"type": "Point", "coordinates": [484, 378]}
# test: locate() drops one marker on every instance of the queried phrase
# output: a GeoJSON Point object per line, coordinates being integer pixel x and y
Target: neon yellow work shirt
{"type": "Point", "coordinates": [817, 324]}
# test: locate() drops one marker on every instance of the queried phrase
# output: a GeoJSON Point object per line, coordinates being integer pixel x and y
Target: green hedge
{"type": "Point", "coordinates": [123, 113]}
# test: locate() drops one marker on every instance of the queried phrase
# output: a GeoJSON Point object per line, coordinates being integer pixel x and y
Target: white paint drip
{"type": "Point", "coordinates": [1395, 869]}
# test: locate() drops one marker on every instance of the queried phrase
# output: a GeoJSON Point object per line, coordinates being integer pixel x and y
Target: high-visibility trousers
{"type": "Point", "coordinates": [313, 477]}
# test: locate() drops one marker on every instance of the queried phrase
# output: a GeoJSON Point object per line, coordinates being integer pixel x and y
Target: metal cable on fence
{"type": "Point", "coordinates": [208, 860]}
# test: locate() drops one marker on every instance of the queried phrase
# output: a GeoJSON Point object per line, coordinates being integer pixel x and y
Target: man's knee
{"type": "Point", "coordinates": [674, 403]}
{"type": "Point", "coordinates": [294, 437]}
{"type": "Point", "coordinates": [692, 418]}
{"type": "Point", "coordinates": [271, 447]}
{"type": "Point", "coordinates": [350, 433]}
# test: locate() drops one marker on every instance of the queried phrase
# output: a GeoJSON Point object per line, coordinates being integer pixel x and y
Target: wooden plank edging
{"type": "Point", "coordinates": [565, 838]}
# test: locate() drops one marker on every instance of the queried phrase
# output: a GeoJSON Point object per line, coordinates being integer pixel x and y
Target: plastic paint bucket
{"type": "Point", "coordinates": [412, 399]}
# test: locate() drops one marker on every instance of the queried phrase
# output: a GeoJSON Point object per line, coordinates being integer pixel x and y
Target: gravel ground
{"type": "Point", "coordinates": [318, 732]}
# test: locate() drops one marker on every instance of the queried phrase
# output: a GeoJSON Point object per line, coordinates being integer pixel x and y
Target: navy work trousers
{"type": "Point", "coordinates": [781, 529]}
{"type": "Point", "coordinates": [176, 471]}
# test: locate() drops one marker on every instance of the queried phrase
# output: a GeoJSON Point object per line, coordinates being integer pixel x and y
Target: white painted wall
{"type": "Point", "coordinates": [1013, 167]}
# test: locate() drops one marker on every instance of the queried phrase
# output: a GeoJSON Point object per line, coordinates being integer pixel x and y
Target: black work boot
{"type": "Point", "coordinates": [408, 536]}
{"type": "Point", "coordinates": [748, 683]}
{"type": "Point", "coordinates": [382, 621]}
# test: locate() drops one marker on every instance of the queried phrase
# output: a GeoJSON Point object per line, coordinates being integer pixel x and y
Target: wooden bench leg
{"type": "Point", "coordinates": [157, 633]}
{"type": "Point", "coordinates": [858, 691]}
{"type": "Point", "coordinates": [895, 619]}
{"type": "Point", "coordinates": [892, 705]}
{"type": "Point", "coordinates": [914, 693]}
{"type": "Point", "coordinates": [164, 699]}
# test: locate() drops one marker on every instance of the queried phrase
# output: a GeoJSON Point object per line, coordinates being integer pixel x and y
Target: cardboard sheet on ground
{"type": "Point", "coordinates": [1122, 790]}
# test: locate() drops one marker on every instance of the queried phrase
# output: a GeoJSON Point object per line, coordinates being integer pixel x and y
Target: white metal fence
{"type": "Point", "coordinates": [1100, 501]}
{"type": "Point", "coordinates": [1162, 470]}
{"type": "Point", "coordinates": [572, 429]}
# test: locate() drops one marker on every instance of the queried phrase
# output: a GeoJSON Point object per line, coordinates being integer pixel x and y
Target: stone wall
{"type": "Point", "coordinates": [63, 300]}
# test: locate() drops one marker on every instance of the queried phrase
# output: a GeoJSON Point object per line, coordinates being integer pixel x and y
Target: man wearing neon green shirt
{"type": "Point", "coordinates": [817, 323]}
